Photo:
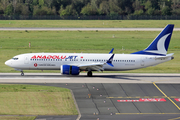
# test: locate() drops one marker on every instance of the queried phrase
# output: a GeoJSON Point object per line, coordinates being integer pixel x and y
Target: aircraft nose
{"type": "Point", "coordinates": [8, 63]}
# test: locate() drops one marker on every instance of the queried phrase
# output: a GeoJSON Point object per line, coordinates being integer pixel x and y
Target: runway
{"type": "Point", "coordinates": [113, 95]}
{"type": "Point", "coordinates": [82, 78]}
{"type": "Point", "coordinates": [85, 29]}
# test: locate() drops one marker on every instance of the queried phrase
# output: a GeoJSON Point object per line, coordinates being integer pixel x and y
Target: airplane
{"type": "Point", "coordinates": [74, 63]}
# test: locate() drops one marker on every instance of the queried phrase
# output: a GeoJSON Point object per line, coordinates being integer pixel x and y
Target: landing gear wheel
{"type": "Point", "coordinates": [22, 74]}
{"type": "Point", "coordinates": [89, 73]}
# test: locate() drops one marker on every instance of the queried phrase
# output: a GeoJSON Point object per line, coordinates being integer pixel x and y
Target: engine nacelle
{"type": "Point", "coordinates": [69, 70]}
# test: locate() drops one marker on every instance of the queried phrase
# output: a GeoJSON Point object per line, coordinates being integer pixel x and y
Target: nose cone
{"type": "Point", "coordinates": [8, 63]}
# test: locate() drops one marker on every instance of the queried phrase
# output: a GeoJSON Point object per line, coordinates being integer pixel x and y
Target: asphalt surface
{"type": "Point", "coordinates": [82, 78]}
{"type": "Point", "coordinates": [99, 100]}
{"type": "Point", "coordinates": [86, 29]}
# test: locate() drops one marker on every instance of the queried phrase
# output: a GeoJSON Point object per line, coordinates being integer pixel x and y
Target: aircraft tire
{"type": "Point", "coordinates": [22, 74]}
{"type": "Point", "coordinates": [89, 73]}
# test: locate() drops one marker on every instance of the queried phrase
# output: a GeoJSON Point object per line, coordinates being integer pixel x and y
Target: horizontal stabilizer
{"type": "Point", "coordinates": [164, 57]}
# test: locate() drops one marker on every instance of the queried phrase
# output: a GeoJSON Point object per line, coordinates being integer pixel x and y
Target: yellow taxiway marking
{"type": "Point", "coordinates": [144, 113]}
{"type": "Point", "coordinates": [174, 96]}
{"type": "Point", "coordinates": [140, 97]}
{"type": "Point", "coordinates": [147, 97]}
{"type": "Point", "coordinates": [174, 118]}
{"type": "Point", "coordinates": [166, 95]}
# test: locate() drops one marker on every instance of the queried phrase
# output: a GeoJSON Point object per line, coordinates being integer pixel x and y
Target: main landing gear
{"type": "Point", "coordinates": [22, 73]}
{"type": "Point", "coordinates": [89, 73]}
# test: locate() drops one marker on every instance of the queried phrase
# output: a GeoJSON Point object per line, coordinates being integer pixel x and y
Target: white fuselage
{"type": "Point", "coordinates": [53, 61]}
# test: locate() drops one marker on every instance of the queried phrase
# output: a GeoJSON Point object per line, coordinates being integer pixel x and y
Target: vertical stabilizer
{"type": "Point", "coordinates": [160, 44]}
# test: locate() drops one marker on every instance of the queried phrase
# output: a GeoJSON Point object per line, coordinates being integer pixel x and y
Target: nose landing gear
{"type": "Point", "coordinates": [22, 73]}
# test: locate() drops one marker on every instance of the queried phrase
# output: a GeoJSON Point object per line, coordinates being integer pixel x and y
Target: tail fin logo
{"type": "Point", "coordinates": [160, 46]}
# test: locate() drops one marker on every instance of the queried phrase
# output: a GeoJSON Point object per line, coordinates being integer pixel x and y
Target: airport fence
{"type": "Point", "coordinates": [98, 17]}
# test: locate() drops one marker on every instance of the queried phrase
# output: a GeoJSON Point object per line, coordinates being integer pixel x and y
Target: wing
{"type": "Point", "coordinates": [95, 66]}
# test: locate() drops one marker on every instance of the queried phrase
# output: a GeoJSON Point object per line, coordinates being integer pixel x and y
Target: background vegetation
{"type": "Point", "coordinates": [89, 7]}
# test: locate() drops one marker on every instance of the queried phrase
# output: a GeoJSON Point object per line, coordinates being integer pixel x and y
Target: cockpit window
{"type": "Point", "coordinates": [15, 58]}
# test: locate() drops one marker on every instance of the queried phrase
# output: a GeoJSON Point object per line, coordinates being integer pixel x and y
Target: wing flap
{"type": "Point", "coordinates": [97, 68]}
{"type": "Point", "coordinates": [93, 66]}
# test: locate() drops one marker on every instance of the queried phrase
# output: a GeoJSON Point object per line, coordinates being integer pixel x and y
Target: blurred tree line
{"type": "Point", "coordinates": [89, 7]}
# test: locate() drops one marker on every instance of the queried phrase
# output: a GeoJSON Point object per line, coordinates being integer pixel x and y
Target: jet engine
{"type": "Point", "coordinates": [69, 70]}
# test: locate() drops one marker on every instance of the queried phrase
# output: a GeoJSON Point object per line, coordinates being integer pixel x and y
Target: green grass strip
{"type": "Point", "coordinates": [36, 100]}
{"type": "Point", "coordinates": [17, 117]}
{"type": "Point", "coordinates": [89, 23]}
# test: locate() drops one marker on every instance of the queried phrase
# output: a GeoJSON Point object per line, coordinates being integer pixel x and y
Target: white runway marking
{"type": "Point", "coordinates": [31, 78]}
{"type": "Point", "coordinates": [86, 29]}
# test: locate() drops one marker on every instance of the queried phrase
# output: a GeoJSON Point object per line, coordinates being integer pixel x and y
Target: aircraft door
{"type": "Point", "coordinates": [143, 61]}
{"type": "Point", "coordinates": [26, 60]}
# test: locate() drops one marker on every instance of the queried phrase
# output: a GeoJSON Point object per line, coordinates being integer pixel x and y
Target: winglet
{"type": "Point", "coordinates": [111, 51]}
{"type": "Point", "coordinates": [109, 62]}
